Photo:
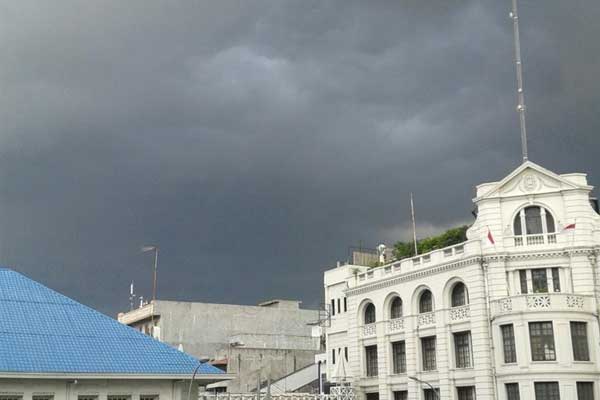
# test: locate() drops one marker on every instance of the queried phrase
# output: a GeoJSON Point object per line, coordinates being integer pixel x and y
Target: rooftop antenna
{"type": "Point", "coordinates": [131, 296]}
{"type": "Point", "coordinates": [414, 225]}
{"type": "Point", "coordinates": [519, 67]}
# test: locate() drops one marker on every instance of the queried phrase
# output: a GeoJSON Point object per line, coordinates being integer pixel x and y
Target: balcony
{"type": "Point", "coordinates": [534, 240]}
{"type": "Point", "coordinates": [426, 319]}
{"type": "Point", "coordinates": [369, 330]}
{"type": "Point", "coordinates": [460, 314]}
{"type": "Point", "coordinates": [396, 325]}
{"type": "Point", "coordinates": [543, 302]}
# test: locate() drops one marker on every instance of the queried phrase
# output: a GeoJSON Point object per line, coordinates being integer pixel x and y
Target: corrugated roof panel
{"type": "Point", "coordinates": [42, 331]}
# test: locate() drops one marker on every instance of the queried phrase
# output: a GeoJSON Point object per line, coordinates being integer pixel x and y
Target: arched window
{"type": "Point", "coordinates": [460, 297]}
{"type": "Point", "coordinates": [533, 220]}
{"type": "Point", "coordinates": [426, 302]}
{"type": "Point", "coordinates": [369, 314]}
{"type": "Point", "coordinates": [396, 308]}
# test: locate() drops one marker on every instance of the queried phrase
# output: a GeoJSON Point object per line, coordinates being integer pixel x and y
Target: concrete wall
{"type": "Point", "coordinates": [204, 329]}
{"type": "Point", "coordinates": [70, 389]}
{"type": "Point", "coordinates": [275, 336]}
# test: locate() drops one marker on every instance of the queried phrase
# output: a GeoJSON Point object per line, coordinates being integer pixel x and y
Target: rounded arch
{"type": "Point", "coordinates": [533, 219]}
{"type": "Point", "coordinates": [367, 312]}
{"type": "Point", "coordinates": [423, 300]}
{"type": "Point", "coordinates": [459, 295]}
{"type": "Point", "coordinates": [393, 306]}
{"type": "Point", "coordinates": [456, 292]}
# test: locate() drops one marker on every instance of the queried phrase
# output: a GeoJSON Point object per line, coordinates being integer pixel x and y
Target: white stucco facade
{"type": "Point", "coordinates": [542, 276]}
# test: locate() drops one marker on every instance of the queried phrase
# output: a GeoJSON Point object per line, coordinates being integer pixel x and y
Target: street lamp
{"type": "Point", "coordinates": [155, 250]}
{"type": "Point", "coordinates": [437, 396]}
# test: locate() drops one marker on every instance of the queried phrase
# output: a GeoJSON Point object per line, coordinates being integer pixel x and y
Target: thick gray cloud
{"type": "Point", "coordinates": [255, 140]}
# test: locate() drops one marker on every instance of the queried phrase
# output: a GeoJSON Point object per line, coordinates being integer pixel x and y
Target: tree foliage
{"type": "Point", "coordinates": [450, 237]}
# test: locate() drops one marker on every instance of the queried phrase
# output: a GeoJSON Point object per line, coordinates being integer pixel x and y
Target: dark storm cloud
{"type": "Point", "coordinates": [254, 140]}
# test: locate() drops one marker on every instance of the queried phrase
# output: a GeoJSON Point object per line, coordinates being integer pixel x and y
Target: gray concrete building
{"type": "Point", "coordinates": [268, 341]}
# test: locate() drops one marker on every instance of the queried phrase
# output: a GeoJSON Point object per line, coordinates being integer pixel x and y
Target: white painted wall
{"type": "Point", "coordinates": [490, 273]}
{"type": "Point", "coordinates": [70, 389]}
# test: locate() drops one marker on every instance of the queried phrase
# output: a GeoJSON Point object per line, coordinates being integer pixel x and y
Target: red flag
{"type": "Point", "coordinates": [491, 237]}
{"type": "Point", "coordinates": [568, 227]}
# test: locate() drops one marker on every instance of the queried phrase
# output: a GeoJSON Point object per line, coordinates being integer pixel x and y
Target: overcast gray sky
{"type": "Point", "coordinates": [254, 141]}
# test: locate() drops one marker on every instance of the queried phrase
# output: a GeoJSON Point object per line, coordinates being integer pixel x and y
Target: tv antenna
{"type": "Point", "coordinates": [519, 69]}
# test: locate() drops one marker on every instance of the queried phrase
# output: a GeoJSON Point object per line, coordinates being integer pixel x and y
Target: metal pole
{"type": "Point", "coordinates": [192, 381]}
{"type": "Point", "coordinates": [437, 396]}
{"type": "Point", "coordinates": [414, 225]}
{"type": "Point", "coordinates": [155, 269]}
{"type": "Point", "coordinates": [519, 69]}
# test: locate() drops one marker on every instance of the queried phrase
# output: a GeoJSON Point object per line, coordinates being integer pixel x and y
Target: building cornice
{"type": "Point", "coordinates": [409, 276]}
{"type": "Point", "coordinates": [574, 251]}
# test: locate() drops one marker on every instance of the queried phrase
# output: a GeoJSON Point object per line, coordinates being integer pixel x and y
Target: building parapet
{"type": "Point", "coordinates": [441, 256]}
{"type": "Point", "coordinates": [543, 302]}
{"type": "Point", "coordinates": [138, 314]}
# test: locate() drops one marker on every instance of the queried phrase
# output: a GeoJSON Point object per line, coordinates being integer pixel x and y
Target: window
{"type": "Point", "coordinates": [426, 302]}
{"type": "Point", "coordinates": [11, 397]}
{"type": "Point", "coordinates": [466, 392]}
{"type": "Point", "coordinates": [547, 391]}
{"type": "Point", "coordinates": [345, 304]}
{"type": "Point", "coordinates": [585, 390]}
{"type": "Point", "coordinates": [555, 280]}
{"type": "Point", "coordinates": [371, 359]}
{"type": "Point", "coordinates": [428, 348]}
{"type": "Point", "coordinates": [332, 307]}
{"type": "Point", "coordinates": [512, 391]}
{"type": "Point", "coordinates": [537, 220]}
{"type": "Point", "coordinates": [459, 295]}
{"type": "Point", "coordinates": [580, 341]}
{"type": "Point", "coordinates": [508, 342]}
{"type": "Point", "coordinates": [370, 314]}
{"type": "Point", "coordinates": [42, 397]}
{"type": "Point", "coordinates": [346, 353]}
{"type": "Point", "coordinates": [523, 278]}
{"type": "Point", "coordinates": [462, 349]}
{"type": "Point", "coordinates": [430, 395]}
{"type": "Point", "coordinates": [541, 335]}
{"type": "Point", "coordinates": [149, 397]}
{"type": "Point", "coordinates": [399, 357]}
{"type": "Point", "coordinates": [87, 397]}
{"type": "Point", "coordinates": [539, 280]}
{"type": "Point", "coordinates": [118, 397]}
{"type": "Point", "coordinates": [333, 356]}
{"type": "Point", "coordinates": [396, 308]}
{"type": "Point", "coordinates": [401, 395]}
{"type": "Point", "coordinates": [339, 305]}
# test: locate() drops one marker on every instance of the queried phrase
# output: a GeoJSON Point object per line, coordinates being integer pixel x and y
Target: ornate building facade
{"type": "Point", "coordinates": [510, 314]}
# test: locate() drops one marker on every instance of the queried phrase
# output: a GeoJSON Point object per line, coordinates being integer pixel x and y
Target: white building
{"type": "Point", "coordinates": [517, 319]}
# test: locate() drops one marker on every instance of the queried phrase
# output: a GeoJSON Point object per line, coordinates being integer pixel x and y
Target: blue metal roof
{"type": "Point", "coordinates": [42, 331]}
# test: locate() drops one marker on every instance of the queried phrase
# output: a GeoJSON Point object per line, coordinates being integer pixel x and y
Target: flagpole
{"type": "Point", "coordinates": [414, 225]}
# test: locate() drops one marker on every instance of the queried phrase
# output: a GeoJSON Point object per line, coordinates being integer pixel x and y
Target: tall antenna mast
{"type": "Point", "coordinates": [520, 95]}
{"type": "Point", "coordinates": [414, 225]}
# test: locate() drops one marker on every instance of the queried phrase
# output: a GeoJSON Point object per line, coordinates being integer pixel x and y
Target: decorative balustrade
{"type": "Point", "coordinates": [426, 319]}
{"type": "Point", "coordinates": [459, 314]}
{"type": "Point", "coordinates": [535, 240]}
{"type": "Point", "coordinates": [543, 302]}
{"type": "Point", "coordinates": [396, 325]}
{"type": "Point", "coordinates": [369, 330]}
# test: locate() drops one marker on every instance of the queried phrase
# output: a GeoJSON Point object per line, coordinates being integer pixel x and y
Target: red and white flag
{"type": "Point", "coordinates": [490, 237]}
{"type": "Point", "coordinates": [569, 227]}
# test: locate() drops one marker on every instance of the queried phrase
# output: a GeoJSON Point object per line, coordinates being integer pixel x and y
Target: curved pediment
{"type": "Point", "coordinates": [530, 179]}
